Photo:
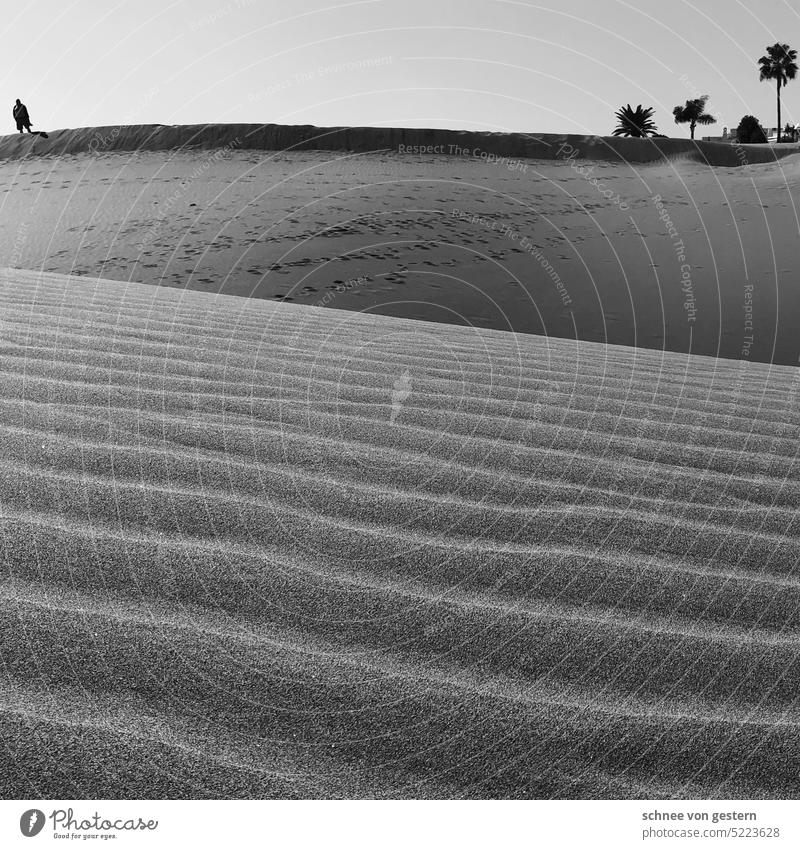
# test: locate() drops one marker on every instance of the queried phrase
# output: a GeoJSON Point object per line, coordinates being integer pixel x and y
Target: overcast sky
{"type": "Point", "coordinates": [503, 65]}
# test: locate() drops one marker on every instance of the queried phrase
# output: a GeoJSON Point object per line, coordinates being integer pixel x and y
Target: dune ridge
{"type": "Point", "coordinates": [545, 146]}
{"type": "Point", "coordinates": [269, 550]}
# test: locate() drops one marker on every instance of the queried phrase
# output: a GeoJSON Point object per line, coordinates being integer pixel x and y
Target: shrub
{"type": "Point", "coordinates": [750, 131]}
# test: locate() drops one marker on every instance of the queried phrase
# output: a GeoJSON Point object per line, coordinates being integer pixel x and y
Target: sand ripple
{"type": "Point", "coordinates": [257, 549]}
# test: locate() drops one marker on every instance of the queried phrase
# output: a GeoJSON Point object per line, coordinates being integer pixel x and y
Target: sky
{"type": "Point", "coordinates": [500, 65]}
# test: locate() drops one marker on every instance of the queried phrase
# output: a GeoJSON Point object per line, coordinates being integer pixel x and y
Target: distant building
{"type": "Point", "coordinates": [725, 137]}
{"type": "Point", "coordinates": [790, 131]}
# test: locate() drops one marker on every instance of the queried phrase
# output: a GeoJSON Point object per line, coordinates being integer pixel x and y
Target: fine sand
{"type": "Point", "coordinates": [660, 244]}
{"type": "Point", "coordinates": [257, 549]}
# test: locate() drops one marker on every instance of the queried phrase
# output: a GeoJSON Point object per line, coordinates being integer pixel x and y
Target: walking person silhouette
{"type": "Point", "coordinates": [23, 120]}
{"type": "Point", "coordinates": [21, 116]}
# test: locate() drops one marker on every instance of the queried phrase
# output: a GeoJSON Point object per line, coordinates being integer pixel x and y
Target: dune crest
{"type": "Point", "coordinates": [161, 137]}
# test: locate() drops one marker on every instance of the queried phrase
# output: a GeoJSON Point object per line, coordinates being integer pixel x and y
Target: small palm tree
{"type": "Point", "coordinates": [693, 113]}
{"type": "Point", "coordinates": [779, 64]}
{"type": "Point", "coordinates": [635, 122]}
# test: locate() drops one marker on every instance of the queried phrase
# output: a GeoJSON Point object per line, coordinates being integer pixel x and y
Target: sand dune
{"type": "Point", "coordinates": [655, 249]}
{"type": "Point", "coordinates": [280, 137]}
{"type": "Point", "coordinates": [256, 549]}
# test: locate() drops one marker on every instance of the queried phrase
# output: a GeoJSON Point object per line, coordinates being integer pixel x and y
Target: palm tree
{"type": "Point", "coordinates": [635, 122]}
{"type": "Point", "coordinates": [693, 113]}
{"type": "Point", "coordinates": [779, 65]}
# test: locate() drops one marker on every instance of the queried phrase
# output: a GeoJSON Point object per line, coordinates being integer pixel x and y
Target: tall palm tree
{"type": "Point", "coordinates": [779, 65]}
{"type": "Point", "coordinates": [635, 122]}
{"type": "Point", "coordinates": [693, 113]}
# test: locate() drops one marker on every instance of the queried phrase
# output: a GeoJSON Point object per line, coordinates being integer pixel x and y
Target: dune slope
{"type": "Point", "coordinates": [671, 255]}
{"type": "Point", "coordinates": [161, 137]}
{"type": "Point", "coordinates": [267, 550]}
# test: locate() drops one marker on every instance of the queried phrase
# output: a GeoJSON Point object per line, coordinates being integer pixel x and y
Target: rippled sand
{"type": "Point", "coordinates": [256, 549]}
